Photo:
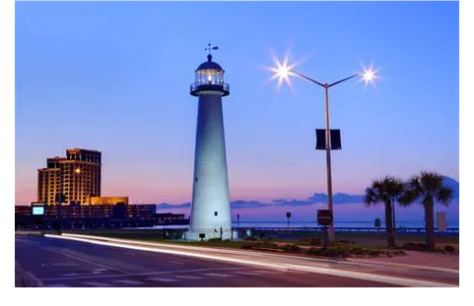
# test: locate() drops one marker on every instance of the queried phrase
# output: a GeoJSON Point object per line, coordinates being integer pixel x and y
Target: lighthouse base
{"type": "Point", "coordinates": [198, 235]}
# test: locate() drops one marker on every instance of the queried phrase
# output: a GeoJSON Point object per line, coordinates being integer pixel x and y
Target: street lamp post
{"type": "Point", "coordinates": [326, 87]}
{"type": "Point", "coordinates": [288, 216]}
{"type": "Point", "coordinates": [368, 75]}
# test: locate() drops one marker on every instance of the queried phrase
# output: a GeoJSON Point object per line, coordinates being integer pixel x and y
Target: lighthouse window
{"type": "Point", "coordinates": [210, 76]}
{"type": "Point", "coordinates": [215, 213]}
{"type": "Point", "coordinates": [196, 179]}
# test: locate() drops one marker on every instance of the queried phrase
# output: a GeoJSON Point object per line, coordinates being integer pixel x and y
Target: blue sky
{"type": "Point", "coordinates": [114, 76]}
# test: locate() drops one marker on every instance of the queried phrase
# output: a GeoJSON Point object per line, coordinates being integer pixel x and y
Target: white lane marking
{"type": "Point", "coordinates": [218, 274]}
{"type": "Point", "coordinates": [188, 277]}
{"type": "Point", "coordinates": [246, 273]}
{"type": "Point", "coordinates": [58, 286]}
{"type": "Point", "coordinates": [87, 261]}
{"type": "Point", "coordinates": [176, 262]}
{"type": "Point", "coordinates": [164, 273]}
{"type": "Point", "coordinates": [96, 284]}
{"type": "Point", "coordinates": [270, 272]}
{"type": "Point", "coordinates": [162, 279]}
{"type": "Point", "coordinates": [98, 271]}
{"type": "Point", "coordinates": [394, 280]}
{"type": "Point", "coordinates": [59, 264]}
{"type": "Point", "coordinates": [69, 274]}
{"type": "Point", "coordinates": [129, 282]}
{"type": "Point", "coordinates": [129, 253]}
{"type": "Point", "coordinates": [207, 249]}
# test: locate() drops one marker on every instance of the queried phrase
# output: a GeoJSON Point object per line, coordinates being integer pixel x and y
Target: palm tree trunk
{"type": "Point", "coordinates": [429, 223]}
{"type": "Point", "coordinates": [389, 224]}
{"type": "Point", "coordinates": [393, 216]}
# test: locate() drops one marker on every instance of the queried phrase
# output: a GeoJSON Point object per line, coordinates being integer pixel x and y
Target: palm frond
{"type": "Point", "coordinates": [407, 198]}
{"type": "Point", "coordinates": [431, 182]}
{"type": "Point", "coordinates": [445, 195]}
{"type": "Point", "coordinates": [370, 197]}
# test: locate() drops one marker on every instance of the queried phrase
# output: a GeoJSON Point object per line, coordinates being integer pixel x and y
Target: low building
{"type": "Point", "coordinates": [169, 218]}
{"type": "Point", "coordinates": [22, 210]}
{"type": "Point", "coordinates": [98, 215]}
{"type": "Point", "coordinates": [106, 200]}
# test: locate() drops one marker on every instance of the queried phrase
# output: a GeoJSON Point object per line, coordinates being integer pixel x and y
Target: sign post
{"type": "Point", "coordinates": [325, 219]}
{"type": "Point", "coordinates": [441, 216]}
{"type": "Point", "coordinates": [288, 215]}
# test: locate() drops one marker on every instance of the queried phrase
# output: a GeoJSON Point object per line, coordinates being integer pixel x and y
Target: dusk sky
{"type": "Point", "coordinates": [115, 77]}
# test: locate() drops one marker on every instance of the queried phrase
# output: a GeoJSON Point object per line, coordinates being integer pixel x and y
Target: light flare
{"type": "Point", "coordinates": [369, 75]}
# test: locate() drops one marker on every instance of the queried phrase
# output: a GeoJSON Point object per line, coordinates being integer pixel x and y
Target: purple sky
{"type": "Point", "coordinates": [114, 76]}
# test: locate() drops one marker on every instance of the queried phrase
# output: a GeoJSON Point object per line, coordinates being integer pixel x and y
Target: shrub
{"type": "Point", "coordinates": [345, 242]}
{"type": "Point", "coordinates": [357, 251]}
{"type": "Point", "coordinates": [374, 253]}
{"type": "Point", "coordinates": [291, 248]}
{"type": "Point", "coordinates": [214, 239]}
{"type": "Point", "coordinates": [409, 246]}
{"type": "Point", "coordinates": [449, 248]}
{"type": "Point", "coordinates": [264, 245]}
{"type": "Point", "coordinates": [314, 241]}
{"type": "Point", "coordinates": [329, 252]}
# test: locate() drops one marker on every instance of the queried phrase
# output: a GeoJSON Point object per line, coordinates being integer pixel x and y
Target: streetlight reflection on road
{"type": "Point", "coordinates": [283, 71]}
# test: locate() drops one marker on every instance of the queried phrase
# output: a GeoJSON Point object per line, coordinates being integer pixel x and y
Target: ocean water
{"type": "Point", "coordinates": [409, 224]}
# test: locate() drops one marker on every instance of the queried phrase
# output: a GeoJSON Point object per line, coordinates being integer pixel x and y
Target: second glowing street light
{"type": "Point", "coordinates": [283, 72]}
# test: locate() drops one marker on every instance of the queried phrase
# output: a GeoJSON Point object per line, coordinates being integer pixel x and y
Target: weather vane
{"type": "Point", "coordinates": [209, 48]}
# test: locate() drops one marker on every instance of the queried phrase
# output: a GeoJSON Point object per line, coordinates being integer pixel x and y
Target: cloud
{"type": "Point", "coordinates": [316, 198]}
{"type": "Point", "coordinates": [171, 206]}
{"type": "Point", "coordinates": [248, 204]}
{"type": "Point", "coordinates": [338, 198]}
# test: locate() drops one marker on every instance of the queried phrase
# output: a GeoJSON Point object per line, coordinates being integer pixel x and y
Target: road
{"type": "Point", "coordinates": [70, 263]}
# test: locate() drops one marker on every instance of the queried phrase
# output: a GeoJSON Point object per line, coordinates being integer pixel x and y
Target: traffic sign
{"type": "Point", "coordinates": [324, 217]}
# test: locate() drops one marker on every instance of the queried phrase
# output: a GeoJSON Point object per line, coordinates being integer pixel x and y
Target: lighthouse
{"type": "Point", "coordinates": [210, 207]}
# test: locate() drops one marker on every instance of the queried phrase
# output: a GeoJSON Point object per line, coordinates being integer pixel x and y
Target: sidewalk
{"type": "Point", "coordinates": [414, 258]}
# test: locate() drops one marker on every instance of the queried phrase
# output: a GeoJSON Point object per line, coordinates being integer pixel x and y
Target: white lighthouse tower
{"type": "Point", "coordinates": [210, 207]}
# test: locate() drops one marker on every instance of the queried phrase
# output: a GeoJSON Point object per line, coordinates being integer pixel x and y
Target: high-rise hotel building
{"type": "Point", "coordinates": [78, 175]}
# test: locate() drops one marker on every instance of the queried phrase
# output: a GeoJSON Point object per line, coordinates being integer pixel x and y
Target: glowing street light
{"type": "Point", "coordinates": [368, 76]}
{"type": "Point", "coordinates": [283, 71]}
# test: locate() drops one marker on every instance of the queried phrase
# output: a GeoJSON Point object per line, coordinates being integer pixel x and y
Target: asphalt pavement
{"type": "Point", "coordinates": [60, 263]}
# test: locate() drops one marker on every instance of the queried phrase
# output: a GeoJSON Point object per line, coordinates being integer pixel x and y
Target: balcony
{"type": "Point", "coordinates": [195, 88]}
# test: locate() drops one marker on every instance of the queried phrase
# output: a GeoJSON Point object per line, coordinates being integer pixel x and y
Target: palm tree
{"type": "Point", "coordinates": [387, 191]}
{"type": "Point", "coordinates": [427, 187]}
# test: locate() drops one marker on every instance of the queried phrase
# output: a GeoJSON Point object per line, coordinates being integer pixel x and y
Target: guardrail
{"type": "Point", "coordinates": [206, 86]}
